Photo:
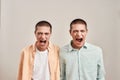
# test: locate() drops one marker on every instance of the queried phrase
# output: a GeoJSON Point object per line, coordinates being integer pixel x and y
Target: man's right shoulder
{"type": "Point", "coordinates": [29, 47]}
{"type": "Point", "coordinates": [65, 48]}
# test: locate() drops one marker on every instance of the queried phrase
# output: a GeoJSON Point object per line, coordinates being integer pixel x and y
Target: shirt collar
{"type": "Point", "coordinates": [72, 49]}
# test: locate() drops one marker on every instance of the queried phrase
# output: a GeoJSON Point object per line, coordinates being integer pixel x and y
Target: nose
{"type": "Point", "coordinates": [79, 33]}
{"type": "Point", "coordinates": [43, 36]}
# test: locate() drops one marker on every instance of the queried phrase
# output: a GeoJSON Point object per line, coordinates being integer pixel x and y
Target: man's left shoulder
{"type": "Point", "coordinates": [93, 46]}
{"type": "Point", "coordinates": [54, 46]}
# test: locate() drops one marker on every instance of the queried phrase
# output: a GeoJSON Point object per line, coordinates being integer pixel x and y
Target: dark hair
{"type": "Point", "coordinates": [78, 21]}
{"type": "Point", "coordinates": [43, 23]}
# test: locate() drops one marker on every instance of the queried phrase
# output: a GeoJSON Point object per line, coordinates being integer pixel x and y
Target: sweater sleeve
{"type": "Point", "coordinates": [20, 69]}
{"type": "Point", "coordinates": [100, 69]}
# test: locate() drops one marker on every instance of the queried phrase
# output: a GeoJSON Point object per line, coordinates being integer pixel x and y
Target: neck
{"type": "Point", "coordinates": [74, 46]}
{"type": "Point", "coordinates": [41, 49]}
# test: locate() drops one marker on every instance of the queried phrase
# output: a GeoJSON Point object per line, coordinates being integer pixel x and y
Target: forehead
{"type": "Point", "coordinates": [43, 29]}
{"type": "Point", "coordinates": [78, 27]}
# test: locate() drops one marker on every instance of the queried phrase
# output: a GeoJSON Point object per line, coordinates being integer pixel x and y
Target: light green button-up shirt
{"type": "Point", "coordinates": [83, 64]}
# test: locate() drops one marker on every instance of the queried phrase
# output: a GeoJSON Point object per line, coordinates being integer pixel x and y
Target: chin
{"type": "Point", "coordinates": [80, 45]}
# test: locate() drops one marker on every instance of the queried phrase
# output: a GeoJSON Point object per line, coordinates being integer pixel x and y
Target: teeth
{"type": "Point", "coordinates": [43, 41]}
{"type": "Point", "coordinates": [79, 39]}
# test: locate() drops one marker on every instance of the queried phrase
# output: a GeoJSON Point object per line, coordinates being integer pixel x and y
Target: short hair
{"type": "Point", "coordinates": [43, 23]}
{"type": "Point", "coordinates": [78, 21]}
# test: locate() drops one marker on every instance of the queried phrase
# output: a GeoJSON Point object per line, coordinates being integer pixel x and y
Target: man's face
{"type": "Point", "coordinates": [78, 33]}
{"type": "Point", "coordinates": [42, 35]}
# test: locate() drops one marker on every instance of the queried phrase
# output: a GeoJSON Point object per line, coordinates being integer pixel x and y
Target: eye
{"type": "Point", "coordinates": [75, 31]}
{"type": "Point", "coordinates": [39, 33]}
{"type": "Point", "coordinates": [46, 33]}
{"type": "Point", "coordinates": [82, 31]}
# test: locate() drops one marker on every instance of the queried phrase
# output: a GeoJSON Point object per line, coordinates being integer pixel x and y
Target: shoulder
{"type": "Point", "coordinates": [93, 47]}
{"type": "Point", "coordinates": [28, 48]}
{"type": "Point", "coordinates": [64, 48]}
{"type": "Point", "coordinates": [26, 51]}
{"type": "Point", "coordinates": [53, 46]}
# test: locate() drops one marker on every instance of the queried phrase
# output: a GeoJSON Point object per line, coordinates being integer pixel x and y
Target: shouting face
{"type": "Point", "coordinates": [42, 35]}
{"type": "Point", "coordinates": [78, 33]}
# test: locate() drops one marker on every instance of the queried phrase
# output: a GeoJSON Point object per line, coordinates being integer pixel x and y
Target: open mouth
{"type": "Point", "coordinates": [42, 41]}
{"type": "Point", "coordinates": [80, 39]}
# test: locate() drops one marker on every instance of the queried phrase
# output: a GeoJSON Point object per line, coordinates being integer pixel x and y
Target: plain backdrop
{"type": "Point", "coordinates": [18, 18]}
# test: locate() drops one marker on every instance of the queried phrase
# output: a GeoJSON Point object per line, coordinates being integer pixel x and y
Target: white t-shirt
{"type": "Point", "coordinates": [41, 67]}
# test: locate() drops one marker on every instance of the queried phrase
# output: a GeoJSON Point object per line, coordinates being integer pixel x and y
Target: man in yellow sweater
{"type": "Point", "coordinates": [40, 61]}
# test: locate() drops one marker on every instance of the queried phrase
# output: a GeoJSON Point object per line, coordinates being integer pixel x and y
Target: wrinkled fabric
{"type": "Point", "coordinates": [83, 64]}
{"type": "Point", "coordinates": [27, 61]}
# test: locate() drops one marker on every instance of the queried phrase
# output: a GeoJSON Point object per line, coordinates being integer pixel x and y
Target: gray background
{"type": "Point", "coordinates": [18, 18]}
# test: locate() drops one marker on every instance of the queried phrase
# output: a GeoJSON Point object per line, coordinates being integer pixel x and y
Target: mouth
{"type": "Point", "coordinates": [42, 41]}
{"type": "Point", "coordinates": [79, 39]}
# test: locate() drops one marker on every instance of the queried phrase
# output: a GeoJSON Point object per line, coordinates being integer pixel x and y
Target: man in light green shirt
{"type": "Point", "coordinates": [80, 60]}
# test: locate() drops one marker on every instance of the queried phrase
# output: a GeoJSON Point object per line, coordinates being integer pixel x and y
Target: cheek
{"type": "Point", "coordinates": [37, 36]}
{"type": "Point", "coordinates": [73, 36]}
{"type": "Point", "coordinates": [85, 35]}
{"type": "Point", "coordinates": [48, 37]}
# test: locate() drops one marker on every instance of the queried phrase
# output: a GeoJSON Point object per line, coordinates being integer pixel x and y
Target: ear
{"type": "Point", "coordinates": [87, 31]}
{"type": "Point", "coordinates": [70, 31]}
{"type": "Point", "coordinates": [34, 32]}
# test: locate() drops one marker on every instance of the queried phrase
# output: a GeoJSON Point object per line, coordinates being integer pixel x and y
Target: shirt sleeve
{"type": "Point", "coordinates": [62, 67]}
{"type": "Point", "coordinates": [100, 68]}
{"type": "Point", "coordinates": [20, 70]}
{"type": "Point", "coordinates": [58, 66]}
